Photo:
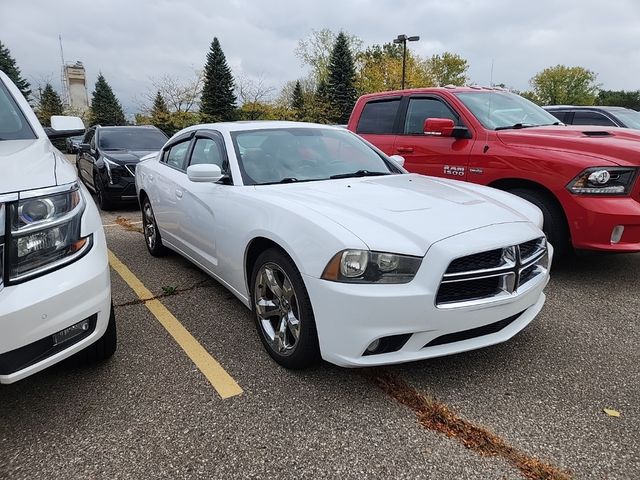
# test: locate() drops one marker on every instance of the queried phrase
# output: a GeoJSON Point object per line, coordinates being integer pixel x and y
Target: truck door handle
{"type": "Point", "coordinates": [405, 149]}
{"type": "Point", "coordinates": [179, 193]}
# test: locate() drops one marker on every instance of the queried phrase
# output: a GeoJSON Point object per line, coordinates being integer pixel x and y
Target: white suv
{"type": "Point", "coordinates": [55, 291]}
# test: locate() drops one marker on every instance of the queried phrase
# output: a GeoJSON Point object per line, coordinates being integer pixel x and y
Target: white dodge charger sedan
{"type": "Point", "coordinates": [339, 252]}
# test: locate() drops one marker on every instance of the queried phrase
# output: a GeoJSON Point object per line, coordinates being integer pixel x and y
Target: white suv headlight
{"type": "Point", "coordinates": [44, 232]}
{"type": "Point", "coordinates": [363, 266]}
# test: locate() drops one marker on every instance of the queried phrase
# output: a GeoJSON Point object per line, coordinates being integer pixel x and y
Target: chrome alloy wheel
{"type": "Point", "coordinates": [277, 308]}
{"type": "Point", "coordinates": [149, 225]}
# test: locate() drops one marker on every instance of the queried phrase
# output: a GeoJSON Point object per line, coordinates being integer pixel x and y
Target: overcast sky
{"type": "Point", "coordinates": [130, 41]}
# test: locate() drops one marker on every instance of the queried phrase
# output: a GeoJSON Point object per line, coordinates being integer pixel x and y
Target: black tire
{"type": "Point", "coordinates": [555, 223]}
{"type": "Point", "coordinates": [103, 348]}
{"type": "Point", "coordinates": [102, 200]}
{"type": "Point", "coordinates": [150, 229]}
{"type": "Point", "coordinates": [306, 351]}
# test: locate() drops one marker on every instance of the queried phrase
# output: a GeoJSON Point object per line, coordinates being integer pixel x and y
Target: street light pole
{"type": "Point", "coordinates": [403, 39]}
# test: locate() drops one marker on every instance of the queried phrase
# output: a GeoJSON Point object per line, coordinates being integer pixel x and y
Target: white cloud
{"type": "Point", "coordinates": [132, 40]}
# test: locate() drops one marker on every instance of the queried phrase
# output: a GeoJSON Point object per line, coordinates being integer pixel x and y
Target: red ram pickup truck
{"type": "Point", "coordinates": [584, 179]}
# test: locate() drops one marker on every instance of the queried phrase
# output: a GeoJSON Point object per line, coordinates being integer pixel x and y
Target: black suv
{"type": "Point", "coordinates": [602, 116]}
{"type": "Point", "coordinates": [107, 160]}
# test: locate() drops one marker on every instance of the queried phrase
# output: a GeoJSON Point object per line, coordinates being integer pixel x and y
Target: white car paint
{"type": "Point", "coordinates": [213, 224]}
{"type": "Point", "coordinates": [40, 307]}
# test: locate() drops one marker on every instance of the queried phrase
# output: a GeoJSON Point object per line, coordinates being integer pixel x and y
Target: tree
{"type": "Point", "coordinates": [159, 106]}
{"type": "Point", "coordinates": [8, 65]}
{"type": "Point", "coordinates": [380, 68]}
{"type": "Point", "coordinates": [341, 79]}
{"type": "Point", "coordinates": [254, 95]}
{"type": "Point", "coordinates": [297, 100]}
{"type": "Point", "coordinates": [218, 100]}
{"type": "Point", "coordinates": [619, 98]}
{"type": "Point", "coordinates": [105, 107]}
{"type": "Point", "coordinates": [315, 51]}
{"type": "Point", "coordinates": [161, 116]}
{"type": "Point", "coordinates": [180, 94]}
{"type": "Point", "coordinates": [562, 85]}
{"type": "Point", "coordinates": [49, 104]}
{"type": "Point", "coordinates": [448, 69]}
{"type": "Point", "coordinates": [320, 109]}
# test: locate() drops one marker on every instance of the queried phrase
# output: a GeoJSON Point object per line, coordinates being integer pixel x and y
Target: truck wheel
{"type": "Point", "coordinates": [555, 224]}
{"type": "Point", "coordinates": [103, 348]}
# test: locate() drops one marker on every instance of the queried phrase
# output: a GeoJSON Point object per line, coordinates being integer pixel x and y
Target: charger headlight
{"type": "Point", "coordinates": [364, 266]}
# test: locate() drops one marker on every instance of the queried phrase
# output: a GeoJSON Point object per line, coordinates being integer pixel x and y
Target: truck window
{"type": "Point", "coordinates": [378, 116]}
{"type": "Point", "coordinates": [591, 118]}
{"type": "Point", "coordinates": [422, 108]}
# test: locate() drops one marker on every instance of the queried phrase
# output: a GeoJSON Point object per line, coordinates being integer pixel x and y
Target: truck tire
{"type": "Point", "coordinates": [555, 224]}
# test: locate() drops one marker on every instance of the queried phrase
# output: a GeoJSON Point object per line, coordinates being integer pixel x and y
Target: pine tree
{"type": "Point", "coordinates": [105, 107]}
{"type": "Point", "coordinates": [218, 100]}
{"type": "Point", "coordinates": [342, 77]}
{"type": "Point", "coordinates": [160, 115]}
{"type": "Point", "coordinates": [159, 106]}
{"type": "Point", "coordinates": [8, 66]}
{"type": "Point", "coordinates": [50, 104]}
{"type": "Point", "coordinates": [297, 101]}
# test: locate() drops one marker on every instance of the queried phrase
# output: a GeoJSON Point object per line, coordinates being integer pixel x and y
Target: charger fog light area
{"type": "Point", "coordinates": [71, 332]}
{"type": "Point", "coordinates": [616, 234]}
{"type": "Point", "coordinates": [373, 346]}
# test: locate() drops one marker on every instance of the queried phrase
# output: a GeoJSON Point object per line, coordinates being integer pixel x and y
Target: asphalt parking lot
{"type": "Point", "coordinates": [529, 408]}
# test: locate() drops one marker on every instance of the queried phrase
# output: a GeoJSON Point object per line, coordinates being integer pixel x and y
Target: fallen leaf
{"type": "Point", "coordinates": [611, 412]}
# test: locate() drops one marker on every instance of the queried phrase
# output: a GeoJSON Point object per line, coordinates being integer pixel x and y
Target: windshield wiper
{"type": "Point", "coordinates": [286, 180]}
{"type": "Point", "coordinates": [518, 126]}
{"type": "Point", "coordinates": [359, 173]}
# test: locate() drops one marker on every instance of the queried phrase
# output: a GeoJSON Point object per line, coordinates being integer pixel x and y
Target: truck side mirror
{"type": "Point", "coordinates": [444, 127]}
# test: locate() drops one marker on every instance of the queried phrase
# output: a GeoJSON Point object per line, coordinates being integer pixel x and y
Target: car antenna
{"type": "Point", "coordinates": [486, 145]}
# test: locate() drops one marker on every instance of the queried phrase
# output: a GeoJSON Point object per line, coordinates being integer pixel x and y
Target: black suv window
{"type": "Point", "coordinates": [134, 138]}
{"type": "Point", "coordinates": [378, 116]}
{"type": "Point", "coordinates": [591, 118]}
{"type": "Point", "coordinates": [422, 108]}
{"type": "Point", "coordinates": [560, 115]}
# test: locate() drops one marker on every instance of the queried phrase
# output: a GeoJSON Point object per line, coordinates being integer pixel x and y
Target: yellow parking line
{"type": "Point", "coordinates": [224, 384]}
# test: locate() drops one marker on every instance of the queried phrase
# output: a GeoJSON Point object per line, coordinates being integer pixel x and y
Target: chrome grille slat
{"type": "Point", "coordinates": [518, 265]}
{"type": "Point", "coordinates": [131, 168]}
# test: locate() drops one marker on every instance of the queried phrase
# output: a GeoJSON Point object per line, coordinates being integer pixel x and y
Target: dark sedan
{"type": "Point", "coordinates": [108, 157]}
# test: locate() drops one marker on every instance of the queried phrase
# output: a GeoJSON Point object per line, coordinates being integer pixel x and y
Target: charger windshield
{"type": "Point", "coordinates": [286, 155]}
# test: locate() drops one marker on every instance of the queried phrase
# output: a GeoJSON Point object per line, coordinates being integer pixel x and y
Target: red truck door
{"type": "Point", "coordinates": [431, 155]}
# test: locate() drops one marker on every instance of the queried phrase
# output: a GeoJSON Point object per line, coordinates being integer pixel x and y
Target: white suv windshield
{"type": "Point", "coordinates": [304, 154]}
{"type": "Point", "coordinates": [13, 124]}
{"type": "Point", "coordinates": [503, 110]}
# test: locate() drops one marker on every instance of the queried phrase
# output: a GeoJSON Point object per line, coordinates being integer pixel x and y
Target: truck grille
{"type": "Point", "coordinates": [494, 274]}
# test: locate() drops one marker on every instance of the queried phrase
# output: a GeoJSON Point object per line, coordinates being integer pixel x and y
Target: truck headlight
{"type": "Point", "coordinates": [603, 181]}
{"type": "Point", "coordinates": [45, 232]}
{"type": "Point", "coordinates": [364, 266]}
